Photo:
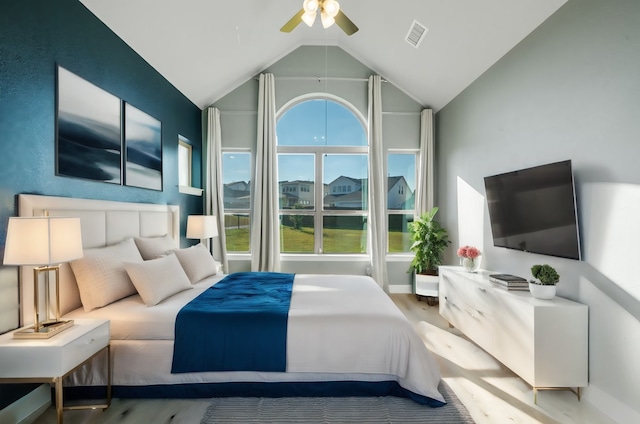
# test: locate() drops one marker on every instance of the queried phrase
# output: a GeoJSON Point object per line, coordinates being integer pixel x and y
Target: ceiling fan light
{"type": "Point", "coordinates": [327, 20]}
{"type": "Point", "coordinates": [331, 7]}
{"type": "Point", "coordinates": [310, 6]}
{"type": "Point", "coordinates": [309, 18]}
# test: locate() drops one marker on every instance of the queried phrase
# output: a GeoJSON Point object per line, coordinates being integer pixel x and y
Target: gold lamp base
{"type": "Point", "coordinates": [46, 330]}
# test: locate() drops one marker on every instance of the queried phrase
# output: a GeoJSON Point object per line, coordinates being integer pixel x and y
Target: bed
{"type": "Point", "coordinates": [344, 335]}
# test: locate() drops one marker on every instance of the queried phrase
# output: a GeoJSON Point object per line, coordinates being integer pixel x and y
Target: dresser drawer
{"type": "Point", "coordinates": [451, 300]}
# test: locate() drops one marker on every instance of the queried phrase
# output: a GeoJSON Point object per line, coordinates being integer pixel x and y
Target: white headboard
{"type": "Point", "coordinates": [103, 223]}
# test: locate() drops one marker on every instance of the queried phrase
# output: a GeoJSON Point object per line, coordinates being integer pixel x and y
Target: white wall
{"type": "Point", "coordinates": [568, 91]}
{"type": "Point", "coordinates": [320, 69]}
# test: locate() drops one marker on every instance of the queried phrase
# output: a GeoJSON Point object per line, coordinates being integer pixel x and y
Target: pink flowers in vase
{"type": "Point", "coordinates": [470, 258]}
{"type": "Point", "coordinates": [469, 252]}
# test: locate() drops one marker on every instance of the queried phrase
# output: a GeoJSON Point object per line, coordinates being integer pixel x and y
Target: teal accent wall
{"type": "Point", "coordinates": [35, 37]}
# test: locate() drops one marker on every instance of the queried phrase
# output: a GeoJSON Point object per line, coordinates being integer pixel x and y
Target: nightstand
{"type": "Point", "coordinates": [50, 360]}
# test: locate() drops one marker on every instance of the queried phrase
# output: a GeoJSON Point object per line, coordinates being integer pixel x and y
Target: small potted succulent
{"type": "Point", "coordinates": [544, 285]}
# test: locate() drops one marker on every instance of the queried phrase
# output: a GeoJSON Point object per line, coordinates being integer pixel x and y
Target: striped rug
{"type": "Point", "coordinates": [346, 410]}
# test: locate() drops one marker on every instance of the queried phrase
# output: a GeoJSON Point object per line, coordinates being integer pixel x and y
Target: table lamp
{"type": "Point", "coordinates": [44, 242]}
{"type": "Point", "coordinates": [201, 227]}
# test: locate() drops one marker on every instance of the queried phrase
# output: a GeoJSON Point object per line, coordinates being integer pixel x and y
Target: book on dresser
{"type": "Point", "coordinates": [509, 282]}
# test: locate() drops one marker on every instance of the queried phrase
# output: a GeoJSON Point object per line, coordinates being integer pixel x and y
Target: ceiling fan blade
{"type": "Point", "coordinates": [345, 23]}
{"type": "Point", "coordinates": [293, 22]}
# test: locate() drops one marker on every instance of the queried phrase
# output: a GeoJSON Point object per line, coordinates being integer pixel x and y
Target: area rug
{"type": "Point", "coordinates": [335, 410]}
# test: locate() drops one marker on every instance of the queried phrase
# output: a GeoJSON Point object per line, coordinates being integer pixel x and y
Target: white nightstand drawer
{"type": "Point", "coordinates": [83, 347]}
{"type": "Point", "coordinates": [54, 357]}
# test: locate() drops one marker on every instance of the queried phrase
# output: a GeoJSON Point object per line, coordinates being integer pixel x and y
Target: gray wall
{"type": "Point", "coordinates": [320, 69]}
{"type": "Point", "coordinates": [568, 91]}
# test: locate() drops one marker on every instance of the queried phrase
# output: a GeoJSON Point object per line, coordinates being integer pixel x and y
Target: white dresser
{"type": "Point", "coordinates": [545, 342]}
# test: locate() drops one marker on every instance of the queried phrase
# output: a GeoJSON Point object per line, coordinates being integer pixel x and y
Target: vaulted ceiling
{"type": "Point", "coordinates": [206, 48]}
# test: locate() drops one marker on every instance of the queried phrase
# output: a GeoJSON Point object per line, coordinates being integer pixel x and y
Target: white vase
{"type": "Point", "coordinates": [542, 291]}
{"type": "Point", "coordinates": [471, 265]}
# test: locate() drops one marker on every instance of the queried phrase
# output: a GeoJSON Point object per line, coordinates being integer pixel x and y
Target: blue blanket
{"type": "Point", "coordinates": [239, 324]}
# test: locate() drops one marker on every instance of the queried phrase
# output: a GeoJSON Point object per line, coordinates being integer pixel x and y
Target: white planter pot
{"type": "Point", "coordinates": [541, 291]}
{"type": "Point", "coordinates": [426, 285]}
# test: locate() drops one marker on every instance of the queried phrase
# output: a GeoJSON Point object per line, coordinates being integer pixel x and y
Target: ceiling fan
{"type": "Point", "coordinates": [330, 13]}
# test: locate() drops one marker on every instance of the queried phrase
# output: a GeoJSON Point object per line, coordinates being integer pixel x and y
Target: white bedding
{"type": "Point", "coordinates": [340, 328]}
{"type": "Point", "coordinates": [131, 319]}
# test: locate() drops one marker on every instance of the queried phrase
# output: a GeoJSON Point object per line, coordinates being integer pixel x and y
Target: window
{"type": "Point", "coordinates": [401, 184]}
{"type": "Point", "coordinates": [185, 168]}
{"type": "Point", "coordinates": [322, 169]}
{"type": "Point", "coordinates": [236, 178]}
{"type": "Point", "coordinates": [185, 153]}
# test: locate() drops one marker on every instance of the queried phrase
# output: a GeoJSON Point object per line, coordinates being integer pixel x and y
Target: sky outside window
{"type": "Point", "coordinates": [403, 164]}
{"type": "Point", "coordinates": [236, 167]}
{"type": "Point", "coordinates": [320, 123]}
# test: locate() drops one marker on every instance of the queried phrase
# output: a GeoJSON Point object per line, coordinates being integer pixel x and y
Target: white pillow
{"type": "Point", "coordinates": [158, 279]}
{"type": "Point", "coordinates": [101, 276]}
{"type": "Point", "coordinates": [154, 247]}
{"type": "Point", "coordinates": [197, 262]}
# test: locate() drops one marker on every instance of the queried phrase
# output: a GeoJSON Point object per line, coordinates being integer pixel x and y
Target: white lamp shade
{"type": "Point", "coordinates": [42, 240]}
{"type": "Point", "coordinates": [201, 226]}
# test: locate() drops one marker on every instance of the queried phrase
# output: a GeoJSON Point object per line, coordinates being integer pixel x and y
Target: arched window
{"type": "Point", "coordinates": [323, 152]}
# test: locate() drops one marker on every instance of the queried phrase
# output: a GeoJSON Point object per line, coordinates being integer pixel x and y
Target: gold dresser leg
{"type": "Point", "coordinates": [535, 392]}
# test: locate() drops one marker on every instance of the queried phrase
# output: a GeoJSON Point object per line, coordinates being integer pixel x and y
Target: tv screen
{"type": "Point", "coordinates": [534, 210]}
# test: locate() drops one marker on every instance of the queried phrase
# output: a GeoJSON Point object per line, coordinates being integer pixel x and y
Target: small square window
{"type": "Point", "coordinates": [185, 152]}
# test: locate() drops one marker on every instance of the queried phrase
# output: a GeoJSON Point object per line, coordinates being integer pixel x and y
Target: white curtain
{"type": "Point", "coordinates": [377, 205]}
{"type": "Point", "coordinates": [265, 226]}
{"type": "Point", "coordinates": [424, 186]}
{"type": "Point", "coordinates": [214, 188]}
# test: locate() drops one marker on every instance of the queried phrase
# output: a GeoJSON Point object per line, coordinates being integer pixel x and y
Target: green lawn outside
{"type": "Point", "coordinates": [301, 241]}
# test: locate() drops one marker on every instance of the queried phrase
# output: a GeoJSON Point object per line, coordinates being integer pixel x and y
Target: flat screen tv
{"type": "Point", "coordinates": [534, 210]}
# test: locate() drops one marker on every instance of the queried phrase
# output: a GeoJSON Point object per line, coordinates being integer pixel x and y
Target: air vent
{"type": "Point", "coordinates": [416, 34]}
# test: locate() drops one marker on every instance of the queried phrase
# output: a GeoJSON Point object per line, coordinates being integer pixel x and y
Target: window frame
{"type": "Point", "coordinates": [239, 211]}
{"type": "Point", "coordinates": [389, 212]}
{"type": "Point", "coordinates": [184, 142]}
{"type": "Point", "coordinates": [319, 152]}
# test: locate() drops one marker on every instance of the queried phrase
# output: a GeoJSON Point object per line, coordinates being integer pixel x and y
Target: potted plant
{"type": "Point", "coordinates": [430, 240]}
{"type": "Point", "coordinates": [544, 285]}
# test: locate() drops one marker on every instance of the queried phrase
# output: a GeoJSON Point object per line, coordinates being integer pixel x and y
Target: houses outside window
{"type": "Point", "coordinates": [322, 157]}
{"type": "Point", "coordinates": [236, 177]}
{"type": "Point", "coordinates": [401, 185]}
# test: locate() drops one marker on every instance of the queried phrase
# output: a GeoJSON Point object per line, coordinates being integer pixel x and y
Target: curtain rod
{"type": "Point", "coordinates": [320, 79]}
{"type": "Point", "coordinates": [254, 112]}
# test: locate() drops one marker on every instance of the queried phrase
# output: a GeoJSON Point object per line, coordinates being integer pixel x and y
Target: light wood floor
{"type": "Point", "coordinates": [491, 392]}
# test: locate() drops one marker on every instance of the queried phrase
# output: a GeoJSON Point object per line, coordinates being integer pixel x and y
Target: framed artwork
{"type": "Point", "coordinates": [143, 141]}
{"type": "Point", "coordinates": [88, 143]}
{"type": "Point", "coordinates": [100, 137]}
